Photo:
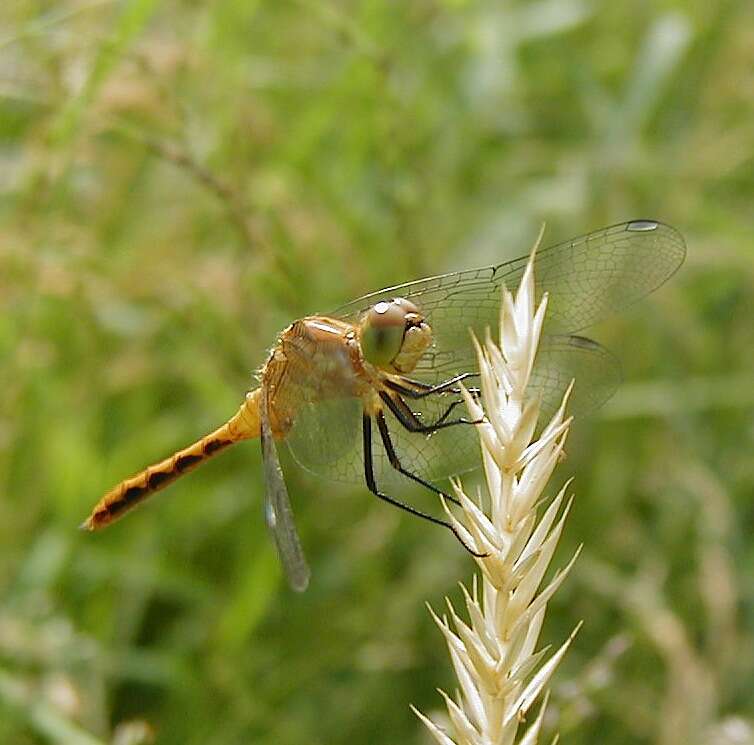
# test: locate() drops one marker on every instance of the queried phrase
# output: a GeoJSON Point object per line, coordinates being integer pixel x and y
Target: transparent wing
{"type": "Point", "coordinates": [588, 278]}
{"type": "Point", "coordinates": [561, 359]}
{"type": "Point", "coordinates": [326, 436]}
{"type": "Point", "coordinates": [278, 511]}
{"type": "Point", "coordinates": [326, 439]}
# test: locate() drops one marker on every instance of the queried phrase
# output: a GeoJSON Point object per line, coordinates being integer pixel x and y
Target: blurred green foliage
{"type": "Point", "coordinates": [179, 180]}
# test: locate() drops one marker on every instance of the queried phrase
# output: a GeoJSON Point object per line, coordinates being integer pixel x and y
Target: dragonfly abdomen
{"type": "Point", "coordinates": [134, 490]}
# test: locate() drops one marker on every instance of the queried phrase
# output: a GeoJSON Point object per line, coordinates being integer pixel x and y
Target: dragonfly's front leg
{"type": "Point", "coordinates": [411, 421]}
{"type": "Point", "coordinates": [447, 386]}
{"type": "Point", "coordinates": [404, 387]}
{"type": "Point", "coordinates": [476, 392]}
{"type": "Point", "coordinates": [395, 462]}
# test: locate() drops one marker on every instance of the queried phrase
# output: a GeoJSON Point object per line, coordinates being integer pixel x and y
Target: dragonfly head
{"type": "Point", "coordinates": [394, 335]}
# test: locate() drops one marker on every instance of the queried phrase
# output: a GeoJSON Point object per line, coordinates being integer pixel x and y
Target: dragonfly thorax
{"type": "Point", "coordinates": [394, 335]}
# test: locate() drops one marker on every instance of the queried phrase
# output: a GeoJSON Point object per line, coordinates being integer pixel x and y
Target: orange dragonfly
{"type": "Point", "coordinates": [368, 393]}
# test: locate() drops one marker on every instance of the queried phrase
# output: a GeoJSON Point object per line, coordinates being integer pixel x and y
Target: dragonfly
{"type": "Point", "coordinates": [369, 392]}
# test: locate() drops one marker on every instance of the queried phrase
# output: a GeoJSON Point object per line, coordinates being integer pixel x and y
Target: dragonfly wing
{"type": "Point", "coordinates": [587, 278]}
{"type": "Point", "coordinates": [455, 450]}
{"type": "Point", "coordinates": [278, 511]}
{"type": "Point", "coordinates": [326, 438]}
{"type": "Point", "coordinates": [560, 360]}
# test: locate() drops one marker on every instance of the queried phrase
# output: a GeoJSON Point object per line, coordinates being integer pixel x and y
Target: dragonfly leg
{"type": "Point", "coordinates": [372, 486]}
{"type": "Point", "coordinates": [392, 457]}
{"type": "Point", "coordinates": [412, 423]}
{"type": "Point", "coordinates": [425, 389]}
{"type": "Point", "coordinates": [474, 392]}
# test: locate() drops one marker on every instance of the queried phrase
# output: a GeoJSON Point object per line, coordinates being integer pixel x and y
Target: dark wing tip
{"type": "Point", "coordinates": [670, 237]}
{"type": "Point", "coordinates": [643, 226]}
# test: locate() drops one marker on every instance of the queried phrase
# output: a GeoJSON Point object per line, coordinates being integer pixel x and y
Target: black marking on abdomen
{"type": "Point", "coordinates": [186, 461]}
{"type": "Point", "coordinates": [214, 445]}
{"type": "Point", "coordinates": [158, 478]}
{"type": "Point", "coordinates": [133, 492]}
{"type": "Point", "coordinates": [129, 497]}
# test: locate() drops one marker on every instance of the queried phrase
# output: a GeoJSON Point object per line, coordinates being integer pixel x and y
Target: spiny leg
{"type": "Point", "coordinates": [439, 390]}
{"type": "Point", "coordinates": [411, 422]}
{"type": "Point", "coordinates": [426, 389]}
{"type": "Point", "coordinates": [448, 411]}
{"type": "Point", "coordinates": [395, 462]}
{"type": "Point", "coordinates": [372, 486]}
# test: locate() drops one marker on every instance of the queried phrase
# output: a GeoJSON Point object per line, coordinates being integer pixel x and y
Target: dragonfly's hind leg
{"type": "Point", "coordinates": [372, 484]}
{"type": "Point", "coordinates": [395, 462]}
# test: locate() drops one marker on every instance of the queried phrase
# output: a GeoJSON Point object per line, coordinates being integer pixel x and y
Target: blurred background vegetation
{"type": "Point", "coordinates": [179, 180]}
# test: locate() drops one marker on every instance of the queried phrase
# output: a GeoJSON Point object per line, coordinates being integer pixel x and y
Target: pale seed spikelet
{"type": "Point", "coordinates": [494, 653]}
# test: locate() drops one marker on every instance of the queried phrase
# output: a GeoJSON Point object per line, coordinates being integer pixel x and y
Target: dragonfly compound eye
{"type": "Point", "coordinates": [389, 330]}
{"type": "Point", "coordinates": [382, 333]}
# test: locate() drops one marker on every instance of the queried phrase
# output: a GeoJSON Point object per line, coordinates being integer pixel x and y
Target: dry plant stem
{"type": "Point", "coordinates": [500, 673]}
{"type": "Point", "coordinates": [181, 158]}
